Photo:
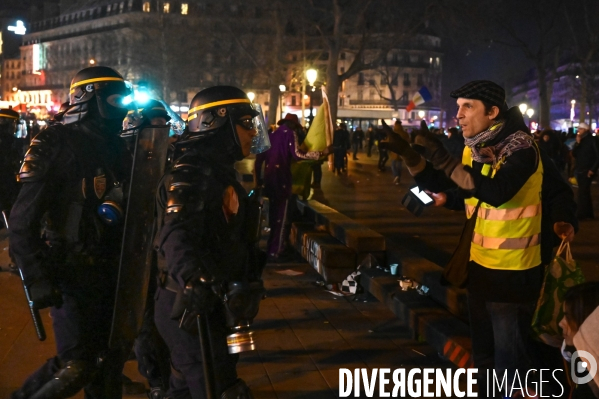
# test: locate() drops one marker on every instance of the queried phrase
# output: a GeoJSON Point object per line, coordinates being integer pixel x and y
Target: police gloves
{"type": "Point", "coordinates": [434, 151]}
{"type": "Point", "coordinates": [394, 141]}
{"type": "Point", "coordinates": [45, 294]}
{"type": "Point", "coordinates": [398, 145]}
{"type": "Point", "coordinates": [200, 295]}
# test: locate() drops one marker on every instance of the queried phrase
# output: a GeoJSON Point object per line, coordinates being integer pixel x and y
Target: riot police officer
{"type": "Point", "coordinates": [69, 171]}
{"type": "Point", "coordinates": [9, 160]}
{"type": "Point", "coordinates": [207, 247]}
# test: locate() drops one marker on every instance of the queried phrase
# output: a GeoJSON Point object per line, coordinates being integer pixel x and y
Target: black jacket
{"type": "Point", "coordinates": [195, 235]}
{"type": "Point", "coordinates": [586, 154]}
{"type": "Point", "coordinates": [341, 139]}
{"type": "Point", "coordinates": [66, 175]}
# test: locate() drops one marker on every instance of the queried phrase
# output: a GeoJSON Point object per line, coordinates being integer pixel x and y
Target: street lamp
{"type": "Point", "coordinates": [282, 88]}
{"type": "Point", "coordinates": [421, 114]}
{"type": "Point", "coordinates": [530, 112]}
{"type": "Point", "coordinates": [311, 75]}
{"type": "Point", "coordinates": [251, 95]}
{"type": "Point", "coordinates": [523, 107]}
{"type": "Point", "coordinates": [92, 61]}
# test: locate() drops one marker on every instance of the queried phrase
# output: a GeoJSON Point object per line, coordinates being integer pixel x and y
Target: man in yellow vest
{"type": "Point", "coordinates": [525, 208]}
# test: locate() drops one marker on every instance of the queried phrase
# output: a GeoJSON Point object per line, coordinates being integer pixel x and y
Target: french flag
{"type": "Point", "coordinates": [421, 96]}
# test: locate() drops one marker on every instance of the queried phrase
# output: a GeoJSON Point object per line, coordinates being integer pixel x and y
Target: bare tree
{"type": "Point", "coordinates": [360, 28]}
{"type": "Point", "coordinates": [389, 81]}
{"type": "Point", "coordinates": [584, 33]}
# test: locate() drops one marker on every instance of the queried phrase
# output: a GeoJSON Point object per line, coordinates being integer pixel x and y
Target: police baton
{"type": "Point", "coordinates": [35, 313]}
{"type": "Point", "coordinates": [206, 356]}
{"type": "Point", "coordinates": [5, 217]}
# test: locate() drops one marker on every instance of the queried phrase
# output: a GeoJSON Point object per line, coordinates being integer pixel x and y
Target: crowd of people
{"type": "Point", "coordinates": [575, 154]}
{"type": "Point", "coordinates": [66, 218]}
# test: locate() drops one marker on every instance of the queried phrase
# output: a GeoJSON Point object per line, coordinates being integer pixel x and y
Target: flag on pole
{"type": "Point", "coordinates": [319, 137]}
{"type": "Point", "coordinates": [421, 96]}
{"type": "Point", "coordinates": [320, 134]}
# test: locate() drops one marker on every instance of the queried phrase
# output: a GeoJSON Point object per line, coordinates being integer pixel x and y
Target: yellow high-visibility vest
{"type": "Point", "coordinates": [507, 237]}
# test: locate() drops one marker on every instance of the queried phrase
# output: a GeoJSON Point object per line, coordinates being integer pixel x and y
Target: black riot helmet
{"type": "Point", "coordinates": [97, 86]}
{"type": "Point", "coordinates": [57, 117]}
{"type": "Point", "coordinates": [9, 119]}
{"type": "Point", "coordinates": [216, 111]}
{"type": "Point", "coordinates": [137, 119]}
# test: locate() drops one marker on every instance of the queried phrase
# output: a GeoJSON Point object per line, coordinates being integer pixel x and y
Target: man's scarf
{"type": "Point", "coordinates": [493, 154]}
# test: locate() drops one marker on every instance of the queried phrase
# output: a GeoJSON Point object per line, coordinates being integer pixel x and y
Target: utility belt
{"type": "Point", "coordinates": [168, 283]}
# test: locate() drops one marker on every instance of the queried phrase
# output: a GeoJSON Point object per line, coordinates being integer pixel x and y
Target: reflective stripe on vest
{"type": "Point", "coordinates": [505, 214]}
{"type": "Point", "coordinates": [507, 237]}
{"type": "Point", "coordinates": [505, 243]}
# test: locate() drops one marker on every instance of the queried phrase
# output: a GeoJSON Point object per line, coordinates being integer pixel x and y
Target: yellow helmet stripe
{"type": "Point", "coordinates": [104, 79]}
{"type": "Point", "coordinates": [217, 103]}
{"type": "Point", "coordinates": [2, 115]}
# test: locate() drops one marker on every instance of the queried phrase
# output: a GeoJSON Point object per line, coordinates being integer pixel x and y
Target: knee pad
{"type": "Point", "coordinates": [239, 390]}
{"type": "Point", "coordinates": [67, 381]}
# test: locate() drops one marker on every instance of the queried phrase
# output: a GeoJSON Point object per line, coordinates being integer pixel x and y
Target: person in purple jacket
{"type": "Point", "coordinates": [277, 178]}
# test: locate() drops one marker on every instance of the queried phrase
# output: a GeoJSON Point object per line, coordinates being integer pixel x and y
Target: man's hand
{"type": "Point", "coordinates": [327, 151]}
{"type": "Point", "coordinates": [590, 173]}
{"type": "Point", "coordinates": [393, 142]}
{"type": "Point", "coordinates": [44, 294]}
{"type": "Point", "coordinates": [564, 230]}
{"type": "Point", "coordinates": [439, 198]}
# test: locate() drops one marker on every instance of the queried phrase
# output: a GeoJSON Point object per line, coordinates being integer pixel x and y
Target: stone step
{"type": "Point", "coordinates": [439, 318]}
{"type": "Point", "coordinates": [329, 257]}
{"type": "Point", "coordinates": [428, 273]}
{"type": "Point", "coordinates": [427, 320]}
{"type": "Point", "coordinates": [354, 235]}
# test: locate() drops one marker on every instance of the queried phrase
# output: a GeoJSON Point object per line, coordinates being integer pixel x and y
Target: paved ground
{"type": "Point", "coordinates": [303, 333]}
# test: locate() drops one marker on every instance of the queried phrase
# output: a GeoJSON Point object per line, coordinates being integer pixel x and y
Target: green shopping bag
{"type": "Point", "coordinates": [561, 274]}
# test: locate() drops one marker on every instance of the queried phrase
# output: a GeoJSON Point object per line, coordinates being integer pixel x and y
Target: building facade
{"type": "Point", "coordinates": [381, 93]}
{"type": "Point", "coordinates": [175, 48]}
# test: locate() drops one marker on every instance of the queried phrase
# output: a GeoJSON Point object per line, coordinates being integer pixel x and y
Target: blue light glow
{"type": "Point", "coordinates": [141, 97]}
{"type": "Point", "coordinates": [127, 100]}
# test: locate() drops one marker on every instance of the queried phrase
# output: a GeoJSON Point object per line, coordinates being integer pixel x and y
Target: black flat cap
{"type": "Point", "coordinates": [484, 90]}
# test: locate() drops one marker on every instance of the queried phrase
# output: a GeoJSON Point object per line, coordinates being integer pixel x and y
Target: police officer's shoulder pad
{"type": "Point", "coordinates": [38, 158]}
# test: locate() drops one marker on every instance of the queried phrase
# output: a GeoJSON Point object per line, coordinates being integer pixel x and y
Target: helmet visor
{"type": "Point", "coordinates": [260, 142]}
{"type": "Point", "coordinates": [112, 99]}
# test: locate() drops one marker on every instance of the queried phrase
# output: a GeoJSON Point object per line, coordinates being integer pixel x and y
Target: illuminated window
{"type": "Point", "coordinates": [184, 8]}
{"type": "Point", "coordinates": [146, 6]}
{"type": "Point", "coordinates": [167, 8]}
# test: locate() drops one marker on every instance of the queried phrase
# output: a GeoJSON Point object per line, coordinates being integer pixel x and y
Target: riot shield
{"type": "Point", "coordinates": [151, 145]}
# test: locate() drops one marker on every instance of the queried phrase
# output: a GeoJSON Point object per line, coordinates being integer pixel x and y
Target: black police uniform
{"type": "Point", "coordinates": [67, 174]}
{"type": "Point", "coordinates": [9, 159]}
{"type": "Point", "coordinates": [203, 244]}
